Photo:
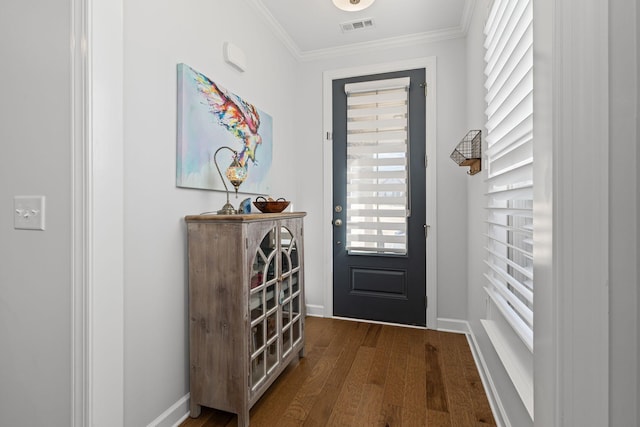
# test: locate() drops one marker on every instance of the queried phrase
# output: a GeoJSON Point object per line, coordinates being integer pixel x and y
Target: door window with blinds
{"type": "Point", "coordinates": [377, 167]}
{"type": "Point", "coordinates": [509, 83]}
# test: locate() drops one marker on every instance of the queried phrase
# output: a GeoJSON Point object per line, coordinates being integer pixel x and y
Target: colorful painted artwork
{"type": "Point", "coordinates": [209, 117]}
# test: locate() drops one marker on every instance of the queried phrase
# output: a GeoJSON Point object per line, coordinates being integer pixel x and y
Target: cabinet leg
{"type": "Point", "coordinates": [194, 410]}
{"type": "Point", "coordinates": [243, 419]}
{"type": "Point", "coordinates": [301, 353]}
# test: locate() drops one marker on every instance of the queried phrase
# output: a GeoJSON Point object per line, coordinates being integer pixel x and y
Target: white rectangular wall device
{"type": "Point", "coordinates": [28, 212]}
{"type": "Point", "coordinates": [235, 56]}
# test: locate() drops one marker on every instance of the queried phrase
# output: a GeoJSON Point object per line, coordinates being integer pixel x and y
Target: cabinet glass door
{"type": "Point", "coordinates": [275, 303]}
{"type": "Point", "coordinates": [290, 291]}
{"type": "Point", "coordinates": [263, 310]}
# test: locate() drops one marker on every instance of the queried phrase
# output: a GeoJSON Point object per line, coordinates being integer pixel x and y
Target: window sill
{"type": "Point", "coordinates": [515, 357]}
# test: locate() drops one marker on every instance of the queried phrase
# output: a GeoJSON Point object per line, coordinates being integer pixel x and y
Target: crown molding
{"type": "Point", "coordinates": [388, 43]}
{"type": "Point", "coordinates": [349, 49]}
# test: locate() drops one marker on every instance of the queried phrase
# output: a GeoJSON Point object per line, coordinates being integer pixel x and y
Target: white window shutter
{"type": "Point", "coordinates": [509, 84]}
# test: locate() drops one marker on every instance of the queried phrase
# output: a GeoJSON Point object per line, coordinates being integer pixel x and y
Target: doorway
{"type": "Point", "coordinates": [427, 65]}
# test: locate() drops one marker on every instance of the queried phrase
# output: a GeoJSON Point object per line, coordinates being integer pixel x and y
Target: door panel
{"type": "Point", "coordinates": [373, 281]}
{"type": "Point", "coordinates": [375, 275]}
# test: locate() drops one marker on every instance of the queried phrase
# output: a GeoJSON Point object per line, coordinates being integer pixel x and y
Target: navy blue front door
{"type": "Point", "coordinates": [381, 285]}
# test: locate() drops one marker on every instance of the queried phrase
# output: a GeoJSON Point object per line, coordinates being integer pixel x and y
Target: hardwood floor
{"type": "Point", "coordinates": [361, 374]}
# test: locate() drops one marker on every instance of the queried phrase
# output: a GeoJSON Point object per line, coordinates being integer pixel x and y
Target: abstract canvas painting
{"type": "Point", "coordinates": [209, 117]}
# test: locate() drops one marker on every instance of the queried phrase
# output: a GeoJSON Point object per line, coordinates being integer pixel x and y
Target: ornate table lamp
{"type": "Point", "coordinates": [236, 175]}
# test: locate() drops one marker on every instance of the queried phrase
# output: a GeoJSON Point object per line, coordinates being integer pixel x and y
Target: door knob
{"type": "Point", "coordinates": [337, 222]}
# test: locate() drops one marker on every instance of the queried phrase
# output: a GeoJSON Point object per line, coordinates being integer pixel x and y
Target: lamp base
{"type": "Point", "coordinates": [227, 209]}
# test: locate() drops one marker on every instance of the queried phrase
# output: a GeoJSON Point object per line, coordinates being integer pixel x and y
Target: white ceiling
{"type": "Point", "coordinates": [312, 27]}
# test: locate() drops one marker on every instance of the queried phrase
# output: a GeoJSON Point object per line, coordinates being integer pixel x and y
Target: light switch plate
{"type": "Point", "coordinates": [28, 212]}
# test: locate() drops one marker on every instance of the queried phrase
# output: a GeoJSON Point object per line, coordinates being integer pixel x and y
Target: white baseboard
{"type": "Point", "coordinates": [175, 415]}
{"type": "Point", "coordinates": [453, 325]}
{"type": "Point", "coordinates": [490, 390]}
{"type": "Point", "coordinates": [315, 310]}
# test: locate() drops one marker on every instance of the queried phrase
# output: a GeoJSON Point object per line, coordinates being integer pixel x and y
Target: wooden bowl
{"type": "Point", "coordinates": [266, 206]}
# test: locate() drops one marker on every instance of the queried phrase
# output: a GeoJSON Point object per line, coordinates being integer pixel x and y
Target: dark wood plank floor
{"type": "Point", "coordinates": [361, 374]}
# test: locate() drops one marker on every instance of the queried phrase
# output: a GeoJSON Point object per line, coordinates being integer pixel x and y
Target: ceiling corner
{"type": "Point", "coordinates": [467, 14]}
{"type": "Point", "coordinates": [389, 43]}
{"type": "Point", "coordinates": [455, 29]}
{"type": "Point", "coordinates": [277, 29]}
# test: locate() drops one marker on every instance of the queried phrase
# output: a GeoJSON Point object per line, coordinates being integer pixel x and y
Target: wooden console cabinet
{"type": "Point", "coordinates": [246, 306]}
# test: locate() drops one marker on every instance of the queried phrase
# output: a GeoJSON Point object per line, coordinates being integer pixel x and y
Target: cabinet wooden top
{"type": "Point", "coordinates": [243, 217]}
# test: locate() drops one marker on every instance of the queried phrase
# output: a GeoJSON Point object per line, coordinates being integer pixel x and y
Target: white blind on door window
{"type": "Point", "coordinates": [377, 166]}
{"type": "Point", "coordinates": [509, 84]}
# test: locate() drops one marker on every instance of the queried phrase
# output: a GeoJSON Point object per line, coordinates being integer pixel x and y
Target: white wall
{"type": "Point", "coordinates": [638, 200]}
{"type": "Point", "coordinates": [638, 206]}
{"type": "Point", "coordinates": [158, 35]}
{"type": "Point", "coordinates": [451, 179]}
{"type": "Point", "coordinates": [35, 266]}
{"type": "Point", "coordinates": [623, 213]}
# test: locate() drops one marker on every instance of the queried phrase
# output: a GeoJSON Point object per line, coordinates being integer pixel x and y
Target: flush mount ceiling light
{"type": "Point", "coordinates": [352, 5]}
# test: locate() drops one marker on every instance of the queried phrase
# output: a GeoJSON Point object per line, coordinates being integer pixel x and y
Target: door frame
{"type": "Point", "coordinates": [97, 190]}
{"type": "Point", "coordinates": [429, 64]}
